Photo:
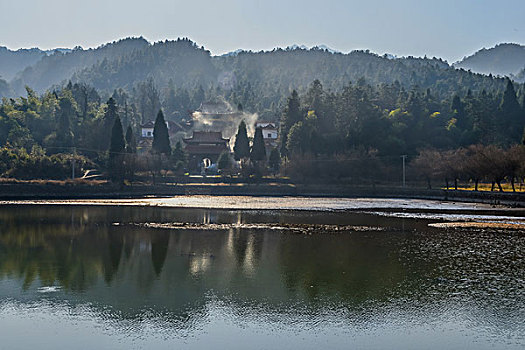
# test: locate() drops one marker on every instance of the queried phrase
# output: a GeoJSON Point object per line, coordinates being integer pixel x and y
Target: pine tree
{"type": "Point", "coordinates": [64, 134]}
{"type": "Point", "coordinates": [110, 116]}
{"type": "Point", "coordinates": [511, 119]}
{"type": "Point", "coordinates": [116, 150]}
{"type": "Point", "coordinates": [292, 114]}
{"type": "Point", "coordinates": [274, 159]}
{"type": "Point", "coordinates": [258, 151]}
{"type": "Point", "coordinates": [131, 142]}
{"type": "Point", "coordinates": [241, 149]}
{"type": "Point", "coordinates": [161, 139]}
{"type": "Point", "coordinates": [117, 144]}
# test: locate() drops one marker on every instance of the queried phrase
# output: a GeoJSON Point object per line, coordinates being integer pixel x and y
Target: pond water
{"type": "Point", "coordinates": [131, 277]}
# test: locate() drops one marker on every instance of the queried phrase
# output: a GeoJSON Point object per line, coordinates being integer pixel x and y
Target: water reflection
{"type": "Point", "coordinates": [54, 259]}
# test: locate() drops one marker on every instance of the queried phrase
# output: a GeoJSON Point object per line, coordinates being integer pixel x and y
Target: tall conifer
{"type": "Point", "coordinates": [511, 120]}
{"type": "Point", "coordinates": [116, 150]}
{"type": "Point", "coordinates": [131, 142]}
{"type": "Point", "coordinates": [241, 149]}
{"type": "Point", "coordinates": [258, 151]}
{"type": "Point", "coordinates": [292, 114]}
{"type": "Point", "coordinates": [161, 139]}
{"type": "Point", "coordinates": [117, 144]}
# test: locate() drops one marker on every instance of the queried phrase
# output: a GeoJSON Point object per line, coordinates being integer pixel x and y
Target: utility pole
{"type": "Point", "coordinates": [404, 157]}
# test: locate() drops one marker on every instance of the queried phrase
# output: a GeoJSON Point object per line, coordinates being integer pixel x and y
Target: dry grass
{"type": "Point", "coordinates": [485, 187]}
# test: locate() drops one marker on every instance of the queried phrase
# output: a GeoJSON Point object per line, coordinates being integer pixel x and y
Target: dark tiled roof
{"type": "Point", "coordinates": [206, 137]}
{"type": "Point", "coordinates": [266, 125]}
{"type": "Point", "coordinates": [148, 125]}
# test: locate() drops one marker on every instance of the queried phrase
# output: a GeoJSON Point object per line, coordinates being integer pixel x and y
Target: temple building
{"type": "Point", "coordinates": [204, 149]}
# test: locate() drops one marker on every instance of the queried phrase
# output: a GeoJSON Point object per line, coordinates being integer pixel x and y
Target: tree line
{"type": "Point", "coordinates": [394, 121]}
{"type": "Point", "coordinates": [359, 121]}
{"type": "Point", "coordinates": [361, 131]}
{"type": "Point", "coordinates": [475, 164]}
{"type": "Point", "coordinates": [41, 136]}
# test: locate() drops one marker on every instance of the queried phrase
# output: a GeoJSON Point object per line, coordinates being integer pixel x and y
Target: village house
{"type": "Point", "coordinates": [270, 134]}
{"type": "Point", "coordinates": [147, 129]}
{"type": "Point", "coordinates": [146, 133]}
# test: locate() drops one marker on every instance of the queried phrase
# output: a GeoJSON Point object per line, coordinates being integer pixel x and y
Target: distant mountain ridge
{"type": "Point", "coordinates": [61, 65]}
{"type": "Point", "coordinates": [289, 48]}
{"type": "Point", "coordinates": [183, 64]}
{"type": "Point", "coordinates": [15, 61]}
{"type": "Point", "coordinates": [12, 61]}
{"type": "Point", "coordinates": [505, 59]}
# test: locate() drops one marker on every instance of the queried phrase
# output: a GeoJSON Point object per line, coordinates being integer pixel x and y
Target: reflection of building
{"type": "Point", "coordinates": [270, 134]}
{"type": "Point", "coordinates": [205, 145]}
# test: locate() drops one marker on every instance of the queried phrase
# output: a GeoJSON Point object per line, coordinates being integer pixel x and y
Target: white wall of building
{"type": "Point", "coordinates": [147, 132]}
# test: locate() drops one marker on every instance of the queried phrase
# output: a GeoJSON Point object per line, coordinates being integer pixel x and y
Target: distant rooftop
{"type": "Point", "coordinates": [266, 125]}
{"type": "Point", "coordinates": [148, 125]}
{"type": "Point", "coordinates": [206, 137]}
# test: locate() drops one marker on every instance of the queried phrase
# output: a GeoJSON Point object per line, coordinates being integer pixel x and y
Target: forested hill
{"type": "Point", "coordinates": [12, 62]}
{"type": "Point", "coordinates": [297, 68]}
{"type": "Point", "coordinates": [180, 62]}
{"type": "Point", "coordinates": [60, 66]}
{"type": "Point", "coordinates": [187, 65]}
{"type": "Point", "coordinates": [268, 75]}
{"type": "Point", "coordinates": [503, 59]}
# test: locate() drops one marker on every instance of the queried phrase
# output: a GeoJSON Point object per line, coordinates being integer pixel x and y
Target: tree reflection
{"type": "Point", "coordinates": [159, 249]}
{"type": "Point", "coordinates": [132, 268]}
{"type": "Point", "coordinates": [112, 259]}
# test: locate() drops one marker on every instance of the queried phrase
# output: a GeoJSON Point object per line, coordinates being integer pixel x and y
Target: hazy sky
{"type": "Point", "coordinates": [449, 29]}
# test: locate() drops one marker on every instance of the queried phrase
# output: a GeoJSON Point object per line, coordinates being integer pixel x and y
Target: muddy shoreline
{"type": "Point", "coordinates": [26, 191]}
{"type": "Point", "coordinates": [447, 215]}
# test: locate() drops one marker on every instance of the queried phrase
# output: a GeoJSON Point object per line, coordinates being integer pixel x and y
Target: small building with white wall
{"type": "Point", "coordinates": [269, 129]}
